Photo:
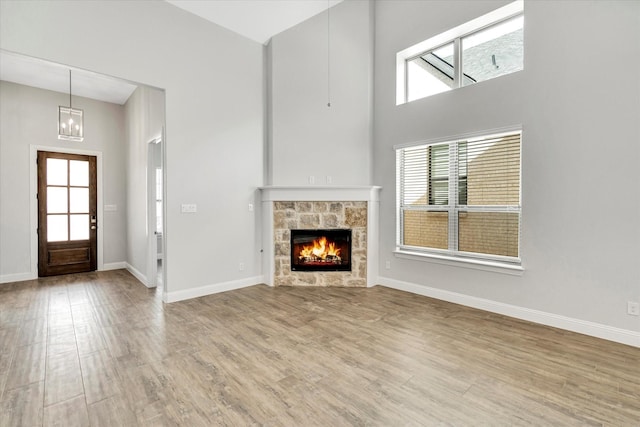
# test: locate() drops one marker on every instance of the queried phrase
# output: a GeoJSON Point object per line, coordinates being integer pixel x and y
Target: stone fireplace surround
{"type": "Point", "coordinates": [286, 208]}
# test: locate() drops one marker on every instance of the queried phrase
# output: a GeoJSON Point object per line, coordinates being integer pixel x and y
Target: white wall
{"type": "Point", "coordinates": [29, 116]}
{"type": "Point", "coordinates": [307, 137]}
{"type": "Point", "coordinates": [580, 236]}
{"type": "Point", "coordinates": [214, 117]}
{"type": "Point", "coordinates": [578, 101]}
{"type": "Point", "coordinates": [144, 114]}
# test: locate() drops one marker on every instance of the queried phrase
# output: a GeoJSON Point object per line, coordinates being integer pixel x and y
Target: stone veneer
{"type": "Point", "coordinates": [288, 215]}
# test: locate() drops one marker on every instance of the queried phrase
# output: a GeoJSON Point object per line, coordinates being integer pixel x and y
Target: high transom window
{"type": "Point", "coordinates": [461, 197]}
{"type": "Point", "coordinates": [482, 49]}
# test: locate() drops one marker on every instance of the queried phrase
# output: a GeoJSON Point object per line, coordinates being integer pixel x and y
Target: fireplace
{"type": "Point", "coordinates": [321, 250]}
{"type": "Point", "coordinates": [320, 208]}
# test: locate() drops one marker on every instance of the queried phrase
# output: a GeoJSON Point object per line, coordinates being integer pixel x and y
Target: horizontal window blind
{"type": "Point", "coordinates": [461, 197]}
{"type": "Point", "coordinates": [492, 167]}
{"type": "Point", "coordinates": [414, 169]}
{"type": "Point", "coordinates": [438, 174]}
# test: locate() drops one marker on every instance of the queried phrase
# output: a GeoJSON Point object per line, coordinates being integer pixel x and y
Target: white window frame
{"type": "Point", "coordinates": [454, 35]}
{"type": "Point", "coordinates": [451, 255]}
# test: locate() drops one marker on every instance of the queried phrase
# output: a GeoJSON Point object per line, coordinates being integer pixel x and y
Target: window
{"type": "Point", "coordinates": [438, 157]}
{"type": "Point", "coordinates": [461, 197]}
{"type": "Point", "coordinates": [479, 50]}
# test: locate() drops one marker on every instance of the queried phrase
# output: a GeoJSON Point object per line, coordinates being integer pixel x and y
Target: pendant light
{"type": "Point", "coordinates": [70, 121]}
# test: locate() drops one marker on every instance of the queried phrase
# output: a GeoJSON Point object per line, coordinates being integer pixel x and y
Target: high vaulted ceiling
{"type": "Point", "coordinates": [47, 75]}
{"type": "Point", "coordinates": [258, 20]}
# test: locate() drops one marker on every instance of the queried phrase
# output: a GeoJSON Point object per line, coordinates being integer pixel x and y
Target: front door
{"type": "Point", "coordinates": [67, 207]}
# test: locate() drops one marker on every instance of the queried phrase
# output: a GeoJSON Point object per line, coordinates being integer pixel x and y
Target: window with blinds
{"type": "Point", "coordinates": [461, 197]}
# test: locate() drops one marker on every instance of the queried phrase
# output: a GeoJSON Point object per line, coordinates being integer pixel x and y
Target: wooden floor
{"type": "Point", "coordinates": [100, 349]}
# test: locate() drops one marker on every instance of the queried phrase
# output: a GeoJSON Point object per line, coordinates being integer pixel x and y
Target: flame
{"type": "Point", "coordinates": [321, 249]}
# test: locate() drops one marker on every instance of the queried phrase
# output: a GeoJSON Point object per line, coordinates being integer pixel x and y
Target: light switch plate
{"type": "Point", "coordinates": [189, 208]}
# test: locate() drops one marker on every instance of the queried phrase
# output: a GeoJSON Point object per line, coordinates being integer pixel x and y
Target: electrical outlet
{"type": "Point", "coordinates": [241, 266]}
{"type": "Point", "coordinates": [387, 265]}
{"type": "Point", "coordinates": [633, 308]}
{"type": "Point", "coordinates": [312, 179]}
{"type": "Point", "coordinates": [329, 179]}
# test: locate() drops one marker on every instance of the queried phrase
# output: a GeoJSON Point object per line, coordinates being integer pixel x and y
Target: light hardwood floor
{"type": "Point", "coordinates": [100, 349]}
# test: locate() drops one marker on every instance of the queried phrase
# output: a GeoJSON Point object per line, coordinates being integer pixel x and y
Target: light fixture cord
{"type": "Point", "coordinates": [328, 53]}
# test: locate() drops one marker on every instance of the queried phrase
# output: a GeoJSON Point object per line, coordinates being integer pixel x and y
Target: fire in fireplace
{"type": "Point", "coordinates": [321, 250]}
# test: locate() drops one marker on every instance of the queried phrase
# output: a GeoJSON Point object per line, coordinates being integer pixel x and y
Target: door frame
{"type": "Point", "coordinates": [152, 239]}
{"type": "Point", "coordinates": [33, 201]}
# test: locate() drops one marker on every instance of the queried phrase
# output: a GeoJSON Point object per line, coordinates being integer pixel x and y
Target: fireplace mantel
{"type": "Point", "coordinates": [320, 193]}
{"type": "Point", "coordinates": [272, 194]}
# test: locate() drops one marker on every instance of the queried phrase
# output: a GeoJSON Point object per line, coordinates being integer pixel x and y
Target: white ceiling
{"type": "Point", "coordinates": [258, 20]}
{"type": "Point", "coordinates": [42, 74]}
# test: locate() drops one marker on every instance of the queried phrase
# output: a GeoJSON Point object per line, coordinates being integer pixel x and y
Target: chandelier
{"type": "Point", "coordinates": [70, 121]}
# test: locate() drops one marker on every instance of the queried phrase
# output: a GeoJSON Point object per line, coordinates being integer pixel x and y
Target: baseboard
{"type": "Point", "coordinates": [623, 336]}
{"type": "Point", "coordinates": [18, 277]}
{"type": "Point", "coordinates": [212, 289]}
{"type": "Point", "coordinates": [137, 274]}
{"type": "Point", "coordinates": [114, 266]}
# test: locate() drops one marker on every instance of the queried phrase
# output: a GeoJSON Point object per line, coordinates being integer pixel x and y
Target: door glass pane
{"type": "Point", "coordinates": [79, 173]}
{"type": "Point", "coordinates": [56, 172]}
{"type": "Point", "coordinates": [79, 200]}
{"type": "Point", "coordinates": [57, 200]}
{"type": "Point", "coordinates": [79, 227]}
{"type": "Point", "coordinates": [57, 228]}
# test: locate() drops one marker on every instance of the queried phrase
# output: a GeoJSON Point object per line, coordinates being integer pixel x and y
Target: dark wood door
{"type": "Point", "coordinates": [67, 213]}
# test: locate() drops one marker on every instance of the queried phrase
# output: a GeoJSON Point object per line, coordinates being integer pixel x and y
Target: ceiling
{"type": "Point", "coordinates": [257, 20]}
{"type": "Point", "coordinates": [42, 74]}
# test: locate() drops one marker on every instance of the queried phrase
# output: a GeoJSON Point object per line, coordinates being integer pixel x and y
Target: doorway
{"type": "Point", "coordinates": [121, 217]}
{"type": "Point", "coordinates": [67, 213]}
{"type": "Point", "coordinates": [155, 210]}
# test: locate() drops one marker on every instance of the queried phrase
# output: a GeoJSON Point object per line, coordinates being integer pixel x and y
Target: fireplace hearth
{"type": "Point", "coordinates": [321, 250]}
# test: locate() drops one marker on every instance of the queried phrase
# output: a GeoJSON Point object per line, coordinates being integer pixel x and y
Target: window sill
{"type": "Point", "coordinates": [476, 264]}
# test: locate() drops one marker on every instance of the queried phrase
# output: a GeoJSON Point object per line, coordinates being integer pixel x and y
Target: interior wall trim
{"type": "Point", "coordinates": [619, 335]}
{"type": "Point", "coordinates": [214, 288]}
{"type": "Point", "coordinates": [114, 266]}
{"type": "Point", "coordinates": [137, 274]}
{"type": "Point", "coordinates": [21, 277]}
{"type": "Point", "coordinates": [17, 277]}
